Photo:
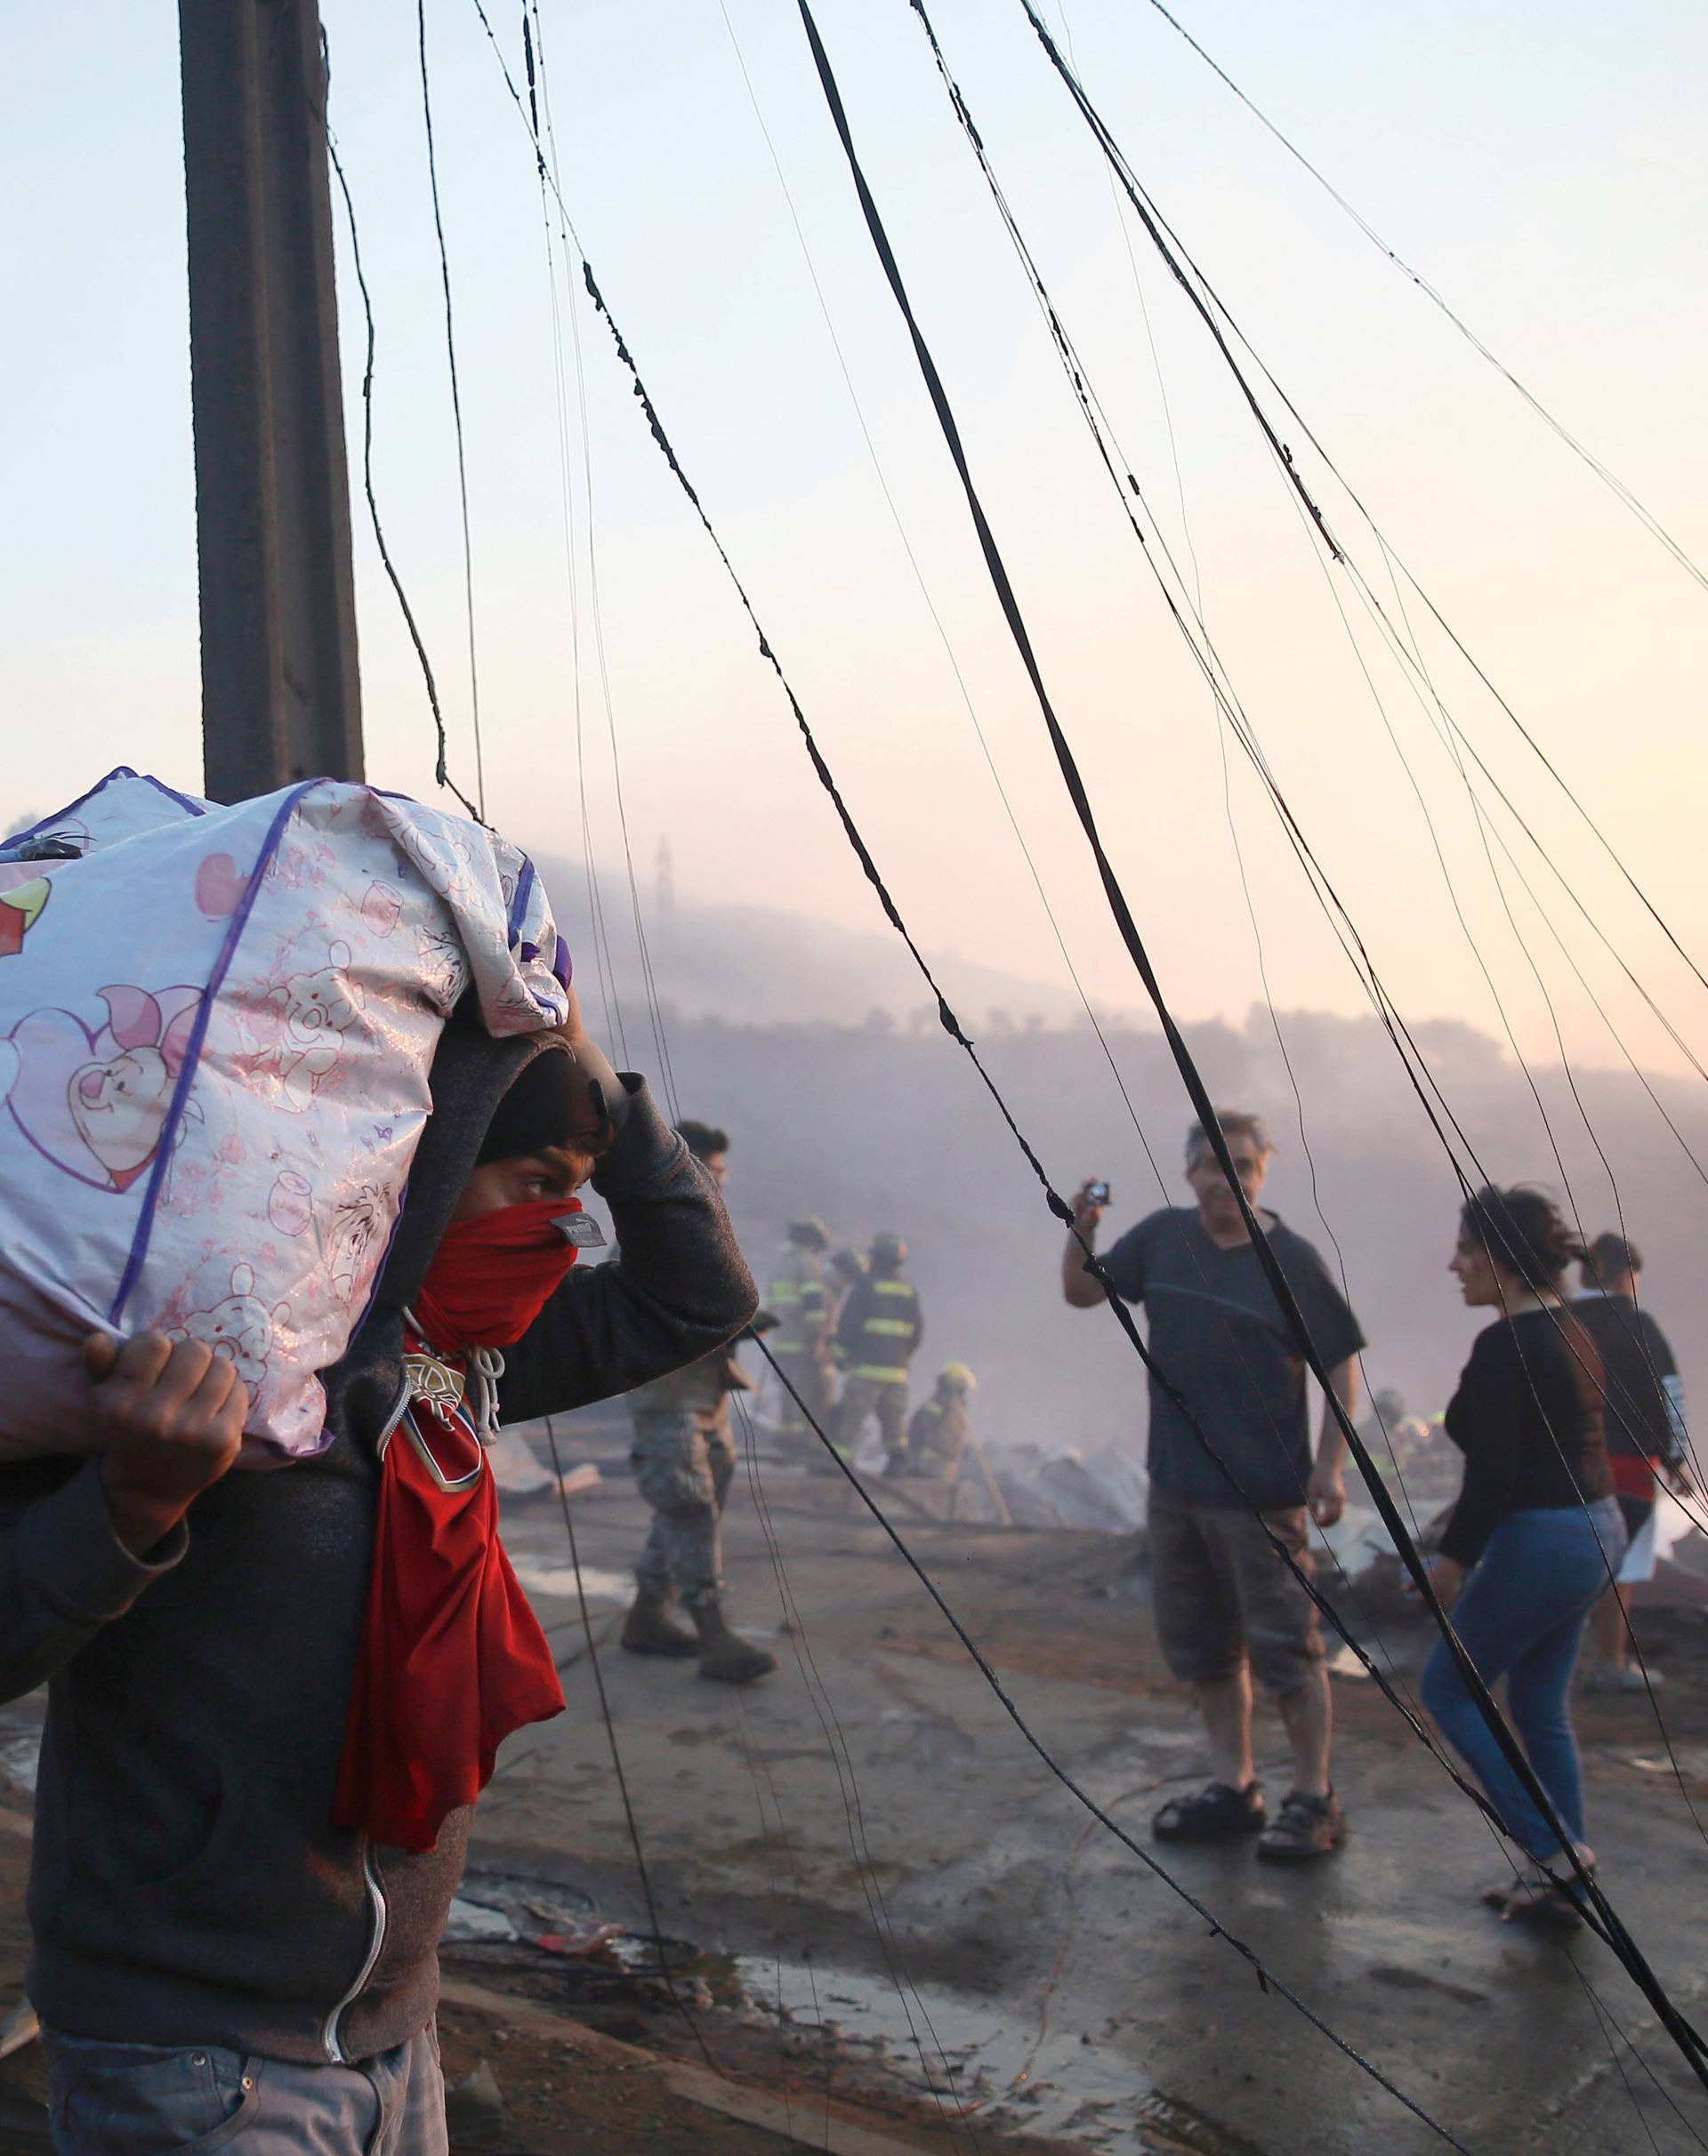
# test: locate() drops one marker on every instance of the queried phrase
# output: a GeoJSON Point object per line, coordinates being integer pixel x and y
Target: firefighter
{"type": "Point", "coordinates": [805, 1307]}
{"type": "Point", "coordinates": [877, 1336]}
{"type": "Point", "coordinates": [938, 1435]}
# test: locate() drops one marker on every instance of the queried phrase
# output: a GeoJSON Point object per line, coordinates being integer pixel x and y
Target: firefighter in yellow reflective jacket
{"type": "Point", "coordinates": [877, 1336]}
{"type": "Point", "coordinates": [938, 1435]}
{"type": "Point", "coordinates": [805, 1307]}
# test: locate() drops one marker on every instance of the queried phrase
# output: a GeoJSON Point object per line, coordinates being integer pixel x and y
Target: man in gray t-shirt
{"type": "Point", "coordinates": [1227, 1605]}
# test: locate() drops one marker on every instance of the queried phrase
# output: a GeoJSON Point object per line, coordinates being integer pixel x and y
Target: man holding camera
{"type": "Point", "coordinates": [1226, 1602]}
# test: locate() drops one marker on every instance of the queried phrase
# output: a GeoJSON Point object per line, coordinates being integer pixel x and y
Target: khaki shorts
{"type": "Point", "coordinates": [1223, 1594]}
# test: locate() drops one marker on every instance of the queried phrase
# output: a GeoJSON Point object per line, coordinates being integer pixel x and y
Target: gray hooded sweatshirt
{"type": "Point", "coordinates": [187, 1885]}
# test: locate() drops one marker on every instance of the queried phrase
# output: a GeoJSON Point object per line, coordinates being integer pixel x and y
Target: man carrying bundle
{"type": "Point", "coordinates": [275, 1696]}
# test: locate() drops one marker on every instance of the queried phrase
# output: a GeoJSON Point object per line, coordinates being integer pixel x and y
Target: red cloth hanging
{"type": "Point", "coordinates": [452, 1658]}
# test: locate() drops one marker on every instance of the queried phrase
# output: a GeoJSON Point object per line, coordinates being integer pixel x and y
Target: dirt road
{"type": "Point", "coordinates": [893, 1928]}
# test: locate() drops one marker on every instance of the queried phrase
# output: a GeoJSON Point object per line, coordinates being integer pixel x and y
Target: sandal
{"type": "Point", "coordinates": [1537, 1899]}
{"type": "Point", "coordinates": [1218, 1812]}
{"type": "Point", "coordinates": [1308, 1827]}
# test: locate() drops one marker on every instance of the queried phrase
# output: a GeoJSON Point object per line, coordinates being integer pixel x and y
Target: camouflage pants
{"type": "Point", "coordinates": [683, 1469]}
{"type": "Point", "coordinates": [884, 1398]}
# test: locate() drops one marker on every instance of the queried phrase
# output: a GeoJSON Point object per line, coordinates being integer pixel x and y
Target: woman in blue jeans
{"type": "Point", "coordinates": [1535, 1535]}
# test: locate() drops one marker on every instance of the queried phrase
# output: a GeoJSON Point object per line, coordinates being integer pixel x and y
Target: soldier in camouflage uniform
{"type": "Point", "coordinates": [684, 1459]}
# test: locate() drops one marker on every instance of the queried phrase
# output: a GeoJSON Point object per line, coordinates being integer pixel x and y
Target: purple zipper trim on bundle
{"type": "Point", "coordinates": [198, 1039]}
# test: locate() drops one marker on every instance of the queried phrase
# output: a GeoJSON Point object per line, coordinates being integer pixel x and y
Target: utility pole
{"type": "Point", "coordinates": [281, 695]}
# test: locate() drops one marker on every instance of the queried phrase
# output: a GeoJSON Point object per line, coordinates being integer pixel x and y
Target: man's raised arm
{"type": "Point", "coordinates": [677, 1288]}
{"type": "Point", "coordinates": [1078, 1287]}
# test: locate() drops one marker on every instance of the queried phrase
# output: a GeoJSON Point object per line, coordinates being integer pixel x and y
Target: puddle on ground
{"type": "Point", "coordinates": [966, 2057]}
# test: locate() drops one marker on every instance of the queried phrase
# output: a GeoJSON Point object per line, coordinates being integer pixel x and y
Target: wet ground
{"type": "Point", "coordinates": [866, 1843]}
{"type": "Point", "coordinates": [892, 1929]}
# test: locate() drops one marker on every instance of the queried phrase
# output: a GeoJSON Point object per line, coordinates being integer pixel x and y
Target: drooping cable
{"type": "Point", "coordinates": [610, 996]}
{"type": "Point", "coordinates": [841, 1759]}
{"type": "Point", "coordinates": [630, 1818]}
{"type": "Point", "coordinates": [540, 105]}
{"type": "Point", "coordinates": [946, 1015]}
{"type": "Point", "coordinates": [440, 772]}
{"type": "Point", "coordinates": [1207, 301]}
{"type": "Point", "coordinates": [1608, 478]}
{"type": "Point", "coordinates": [456, 406]}
{"type": "Point", "coordinates": [1129, 493]}
{"type": "Point", "coordinates": [1512, 1752]}
{"type": "Point", "coordinates": [1266, 1976]}
{"type": "Point", "coordinates": [1058, 1205]}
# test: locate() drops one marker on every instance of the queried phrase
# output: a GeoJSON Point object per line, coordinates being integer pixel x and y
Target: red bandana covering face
{"type": "Point", "coordinates": [494, 1274]}
{"type": "Point", "coordinates": [453, 1658]}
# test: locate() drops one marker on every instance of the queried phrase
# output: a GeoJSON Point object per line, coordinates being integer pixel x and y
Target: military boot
{"type": "Point", "coordinates": [724, 1657]}
{"type": "Point", "coordinates": [647, 1629]}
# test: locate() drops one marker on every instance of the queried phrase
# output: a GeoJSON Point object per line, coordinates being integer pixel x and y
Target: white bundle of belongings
{"type": "Point", "coordinates": [216, 1027]}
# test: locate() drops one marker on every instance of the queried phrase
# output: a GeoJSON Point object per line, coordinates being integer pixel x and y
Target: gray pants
{"type": "Point", "coordinates": [684, 1471]}
{"type": "Point", "coordinates": [884, 1398]}
{"type": "Point", "coordinates": [139, 2100]}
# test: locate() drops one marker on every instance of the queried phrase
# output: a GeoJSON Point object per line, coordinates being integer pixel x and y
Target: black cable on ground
{"type": "Point", "coordinates": [1058, 1205]}
{"type": "Point", "coordinates": [1689, 2043]}
{"type": "Point", "coordinates": [1267, 1978]}
{"type": "Point", "coordinates": [633, 1823]}
{"type": "Point", "coordinates": [841, 1759]}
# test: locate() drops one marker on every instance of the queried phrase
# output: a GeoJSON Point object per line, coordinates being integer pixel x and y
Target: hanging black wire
{"type": "Point", "coordinates": [1096, 1025]}
{"type": "Point", "coordinates": [1608, 478]}
{"type": "Point", "coordinates": [456, 406]}
{"type": "Point", "coordinates": [1615, 1931]}
{"type": "Point", "coordinates": [1266, 1976]}
{"type": "Point", "coordinates": [441, 771]}
{"type": "Point", "coordinates": [1208, 302]}
{"type": "Point", "coordinates": [660, 1944]}
{"type": "Point", "coordinates": [1695, 2052]}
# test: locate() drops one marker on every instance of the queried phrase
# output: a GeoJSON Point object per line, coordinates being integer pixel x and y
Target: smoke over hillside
{"type": "Point", "coordinates": [843, 1096]}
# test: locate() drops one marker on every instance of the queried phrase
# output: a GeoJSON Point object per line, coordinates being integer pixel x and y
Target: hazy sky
{"type": "Point", "coordinates": [1540, 163]}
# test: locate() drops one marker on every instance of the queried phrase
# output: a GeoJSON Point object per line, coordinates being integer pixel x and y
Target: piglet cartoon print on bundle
{"type": "Point", "coordinates": [95, 1099]}
{"type": "Point", "coordinates": [307, 1016]}
{"type": "Point", "coordinates": [239, 1328]}
{"type": "Point", "coordinates": [217, 1142]}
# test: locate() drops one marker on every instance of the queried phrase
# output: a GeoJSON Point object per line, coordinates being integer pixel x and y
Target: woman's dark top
{"type": "Point", "coordinates": [1528, 1416]}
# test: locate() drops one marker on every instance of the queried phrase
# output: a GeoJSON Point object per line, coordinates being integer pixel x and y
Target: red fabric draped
{"type": "Point", "coordinates": [452, 1658]}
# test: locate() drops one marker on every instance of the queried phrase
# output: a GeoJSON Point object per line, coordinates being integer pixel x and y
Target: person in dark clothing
{"type": "Point", "coordinates": [1646, 1435]}
{"type": "Point", "coordinates": [214, 1956]}
{"type": "Point", "coordinates": [877, 1336]}
{"type": "Point", "coordinates": [1227, 1606]}
{"type": "Point", "coordinates": [1536, 1534]}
